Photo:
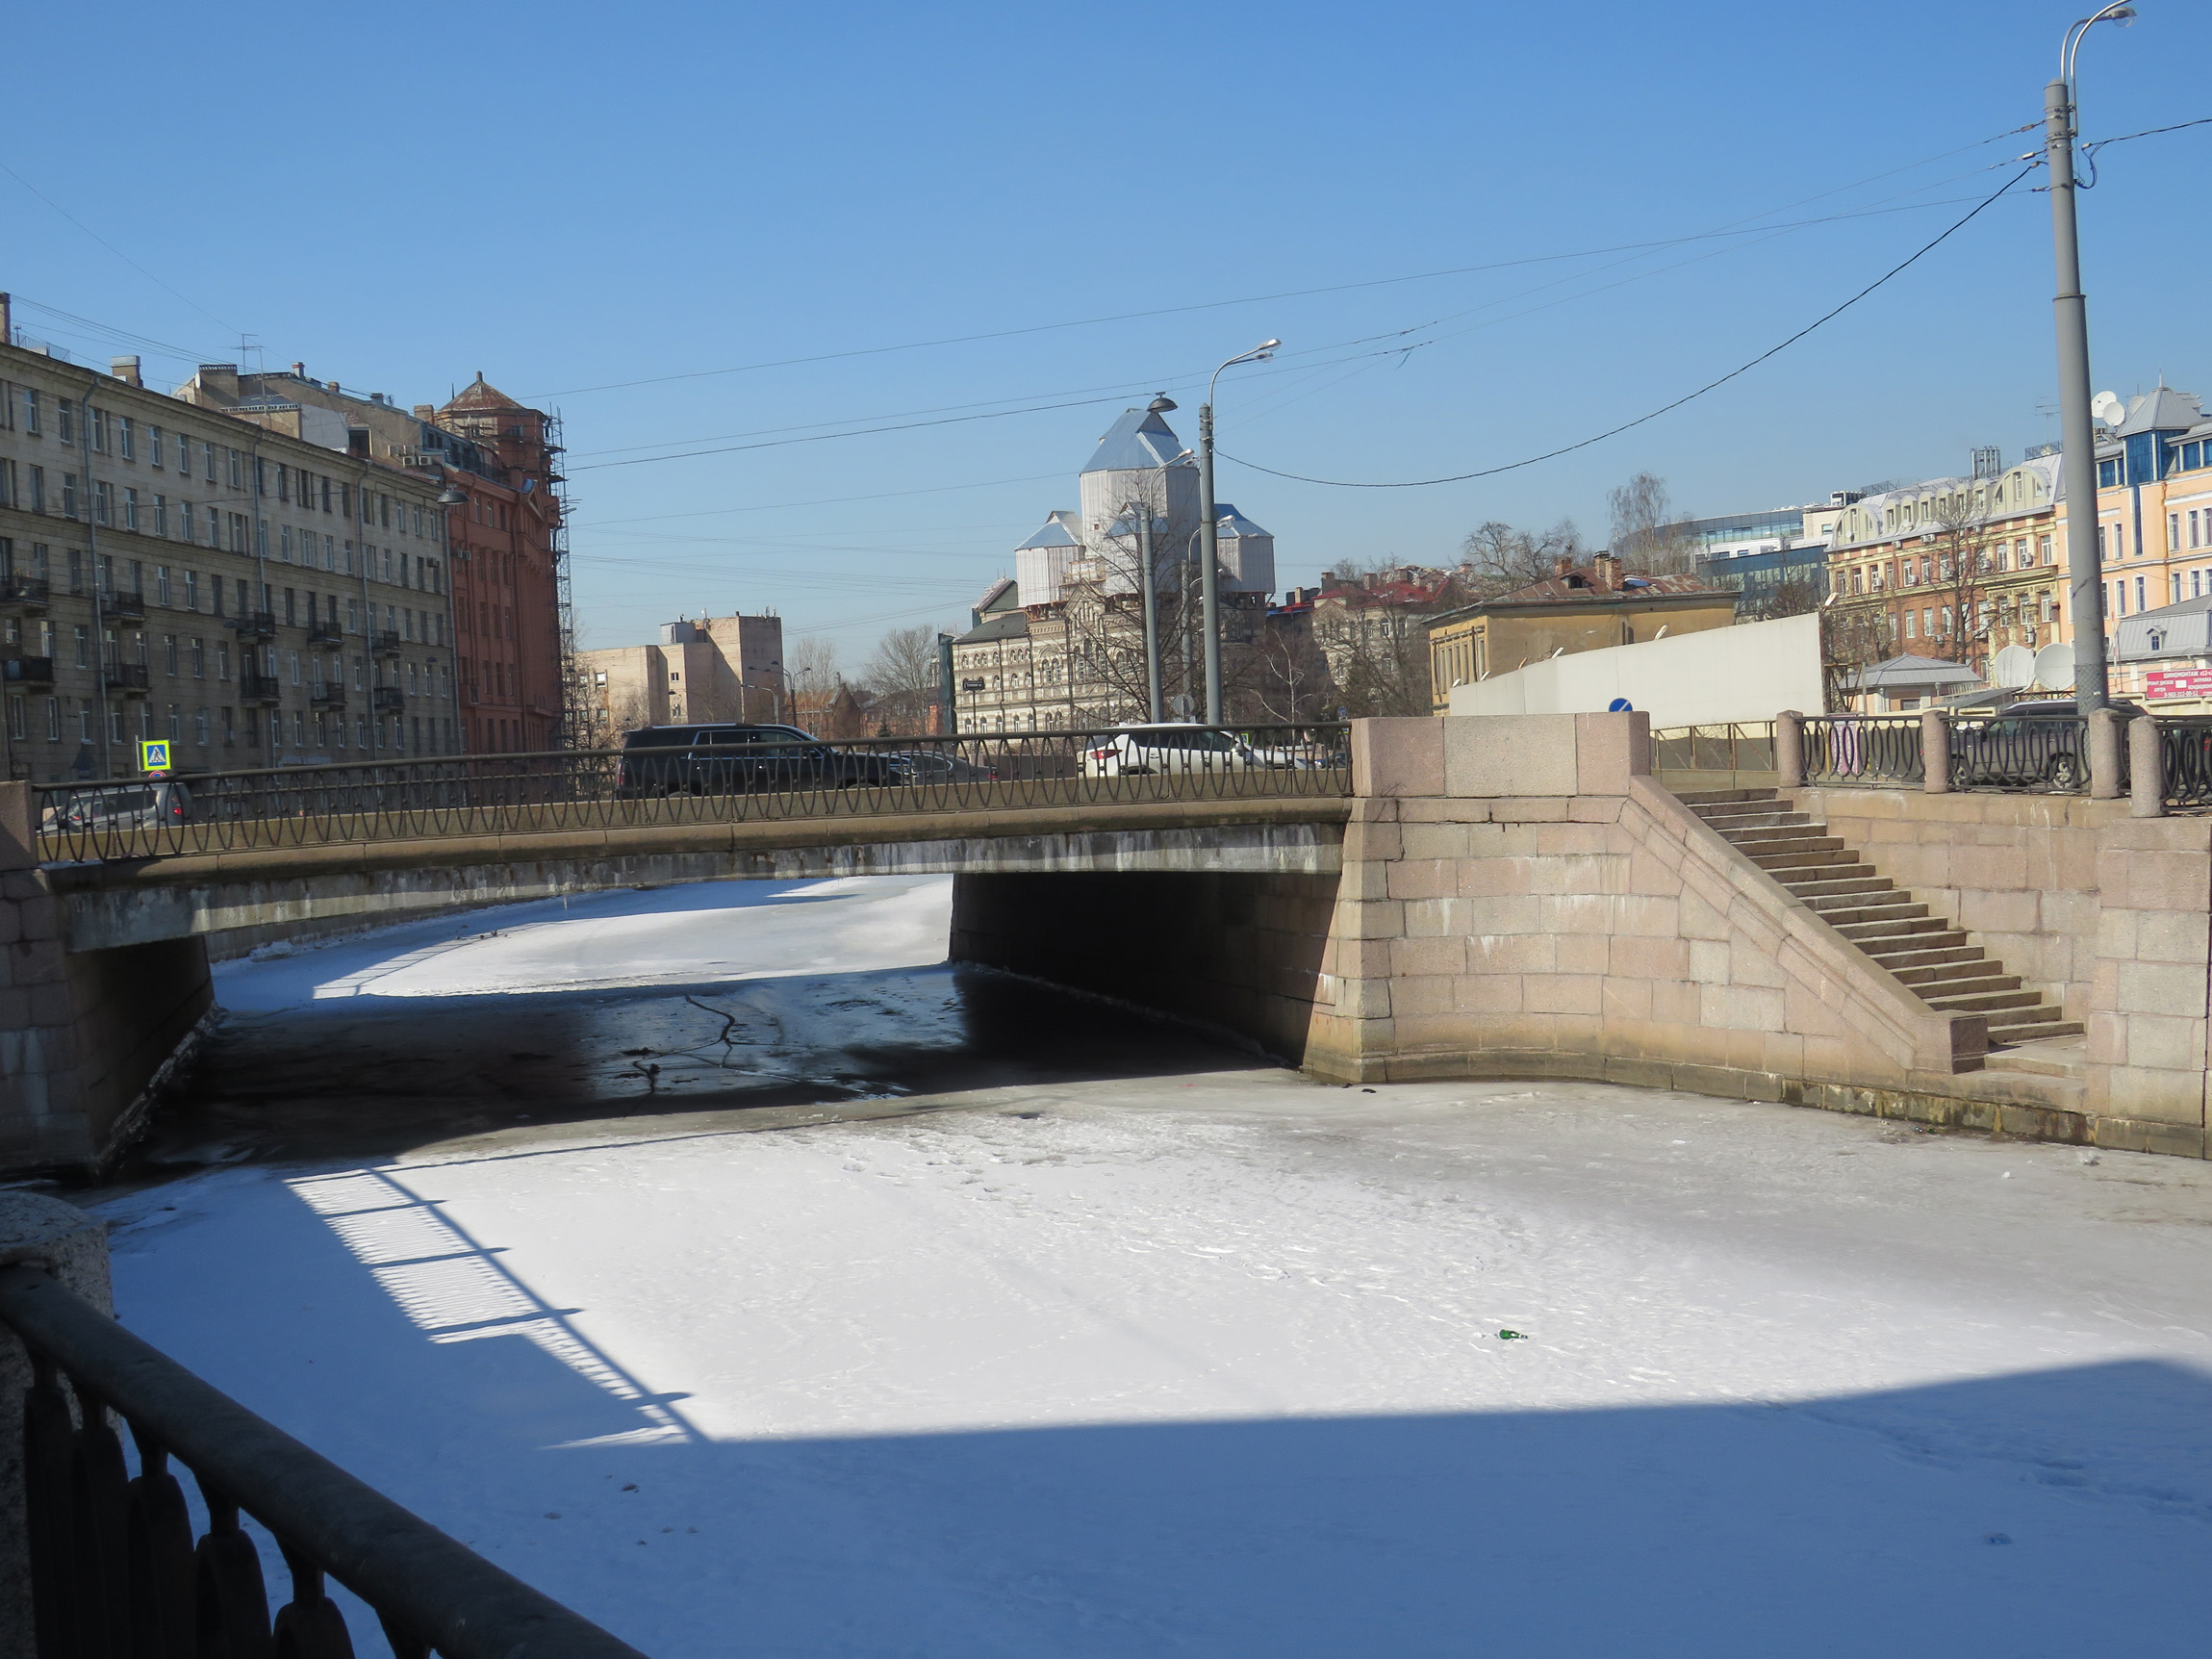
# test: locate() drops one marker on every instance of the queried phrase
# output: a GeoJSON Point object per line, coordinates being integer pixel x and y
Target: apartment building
{"type": "Point", "coordinates": [702, 669]}
{"type": "Point", "coordinates": [496, 461]}
{"type": "Point", "coordinates": [1958, 567]}
{"type": "Point", "coordinates": [232, 580]}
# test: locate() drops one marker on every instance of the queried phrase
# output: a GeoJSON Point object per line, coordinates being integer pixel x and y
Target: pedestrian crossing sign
{"type": "Point", "coordinates": [153, 755]}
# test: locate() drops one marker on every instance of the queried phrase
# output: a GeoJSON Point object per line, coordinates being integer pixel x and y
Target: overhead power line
{"type": "Point", "coordinates": [1665, 408]}
{"type": "Point", "coordinates": [109, 245]}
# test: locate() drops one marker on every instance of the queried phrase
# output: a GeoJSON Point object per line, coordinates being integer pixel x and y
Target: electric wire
{"type": "Point", "coordinates": [109, 245]}
{"type": "Point", "coordinates": [1665, 408]}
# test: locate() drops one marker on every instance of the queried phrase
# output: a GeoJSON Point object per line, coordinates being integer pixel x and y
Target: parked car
{"type": "Point", "coordinates": [2026, 744]}
{"type": "Point", "coordinates": [1171, 747]}
{"type": "Point", "coordinates": [732, 759]}
{"type": "Point", "coordinates": [124, 805]}
{"type": "Point", "coordinates": [936, 766]}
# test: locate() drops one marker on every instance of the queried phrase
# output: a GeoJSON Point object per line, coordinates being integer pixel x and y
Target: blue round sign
{"type": "Point", "coordinates": [1620, 705]}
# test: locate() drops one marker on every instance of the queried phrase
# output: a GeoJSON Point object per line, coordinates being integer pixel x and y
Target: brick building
{"type": "Point", "coordinates": [708, 669]}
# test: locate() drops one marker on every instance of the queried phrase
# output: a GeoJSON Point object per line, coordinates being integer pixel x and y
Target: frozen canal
{"type": "Point", "coordinates": [904, 1311]}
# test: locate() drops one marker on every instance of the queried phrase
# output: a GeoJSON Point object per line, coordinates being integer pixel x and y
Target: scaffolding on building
{"type": "Point", "coordinates": [576, 731]}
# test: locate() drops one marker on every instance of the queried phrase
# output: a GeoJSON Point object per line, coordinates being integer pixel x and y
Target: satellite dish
{"type": "Point", "coordinates": [2054, 668]}
{"type": "Point", "coordinates": [2108, 408]}
{"type": "Point", "coordinates": [2013, 668]}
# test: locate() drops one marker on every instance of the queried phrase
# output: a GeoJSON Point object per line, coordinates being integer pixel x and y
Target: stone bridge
{"type": "Point", "coordinates": [1498, 897]}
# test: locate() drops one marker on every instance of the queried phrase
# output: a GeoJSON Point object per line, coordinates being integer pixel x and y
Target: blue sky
{"type": "Point", "coordinates": [574, 198]}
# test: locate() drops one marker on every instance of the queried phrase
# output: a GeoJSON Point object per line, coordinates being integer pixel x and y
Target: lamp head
{"type": "Point", "coordinates": [1160, 405]}
{"type": "Point", "coordinates": [449, 497]}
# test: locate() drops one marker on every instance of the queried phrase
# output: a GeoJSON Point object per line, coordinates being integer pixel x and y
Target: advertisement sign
{"type": "Point", "coordinates": [2177, 682]}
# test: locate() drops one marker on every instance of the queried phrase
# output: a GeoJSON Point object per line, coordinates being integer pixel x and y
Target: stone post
{"type": "Point", "coordinates": [2104, 751]}
{"type": "Point", "coordinates": [18, 834]}
{"type": "Point", "coordinates": [2146, 769]}
{"type": "Point", "coordinates": [1789, 750]}
{"type": "Point", "coordinates": [1935, 753]}
{"type": "Point", "coordinates": [73, 1247]}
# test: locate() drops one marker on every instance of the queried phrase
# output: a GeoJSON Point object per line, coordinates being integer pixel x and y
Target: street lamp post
{"type": "Point", "coordinates": [2084, 566]}
{"type": "Point", "coordinates": [1143, 513]}
{"type": "Point", "coordinates": [1209, 534]}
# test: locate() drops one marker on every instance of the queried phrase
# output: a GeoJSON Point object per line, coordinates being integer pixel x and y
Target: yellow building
{"type": "Point", "coordinates": [1959, 568]}
{"type": "Point", "coordinates": [1571, 610]}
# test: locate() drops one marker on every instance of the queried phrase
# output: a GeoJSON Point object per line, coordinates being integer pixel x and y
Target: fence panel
{"type": "Point", "coordinates": [2185, 748]}
{"type": "Point", "coordinates": [2022, 751]}
{"type": "Point", "coordinates": [1878, 751]}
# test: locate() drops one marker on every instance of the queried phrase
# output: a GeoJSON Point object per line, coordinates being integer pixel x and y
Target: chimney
{"type": "Point", "coordinates": [1605, 573]}
{"type": "Point", "coordinates": [125, 370]}
{"type": "Point", "coordinates": [1563, 566]}
{"type": "Point", "coordinates": [300, 369]}
{"type": "Point", "coordinates": [219, 378]}
{"type": "Point", "coordinates": [425, 412]}
{"type": "Point", "coordinates": [7, 320]}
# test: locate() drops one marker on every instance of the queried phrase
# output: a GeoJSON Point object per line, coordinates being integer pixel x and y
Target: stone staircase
{"type": "Point", "coordinates": [1938, 962]}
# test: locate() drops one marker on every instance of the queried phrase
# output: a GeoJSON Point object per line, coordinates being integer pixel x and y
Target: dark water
{"type": "Point", "coordinates": [371, 1077]}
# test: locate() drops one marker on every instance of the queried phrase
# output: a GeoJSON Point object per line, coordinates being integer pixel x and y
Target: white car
{"type": "Point", "coordinates": [1181, 746]}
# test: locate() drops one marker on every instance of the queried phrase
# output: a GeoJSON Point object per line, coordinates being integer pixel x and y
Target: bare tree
{"type": "Point", "coordinates": [1499, 559]}
{"type": "Point", "coordinates": [1852, 640]}
{"type": "Point", "coordinates": [903, 676]}
{"type": "Point", "coordinates": [1289, 682]}
{"type": "Point", "coordinates": [1648, 534]}
{"type": "Point", "coordinates": [1963, 564]}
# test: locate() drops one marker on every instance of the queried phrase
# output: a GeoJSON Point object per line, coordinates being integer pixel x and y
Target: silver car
{"type": "Point", "coordinates": [1172, 747]}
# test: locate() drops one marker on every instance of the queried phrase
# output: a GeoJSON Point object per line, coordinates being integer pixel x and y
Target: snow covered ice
{"type": "Point", "coordinates": [1209, 1362]}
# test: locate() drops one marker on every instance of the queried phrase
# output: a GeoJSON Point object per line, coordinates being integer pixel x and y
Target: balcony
{"type": "Point", "coordinates": [28, 671]}
{"type": "Point", "coordinates": [385, 643]}
{"type": "Point", "coordinates": [330, 693]}
{"type": "Point", "coordinates": [325, 630]}
{"type": "Point", "coordinates": [25, 594]}
{"type": "Point", "coordinates": [124, 679]}
{"type": "Point", "coordinates": [256, 624]}
{"type": "Point", "coordinates": [116, 605]}
{"type": "Point", "coordinates": [254, 686]}
{"type": "Point", "coordinates": [388, 699]}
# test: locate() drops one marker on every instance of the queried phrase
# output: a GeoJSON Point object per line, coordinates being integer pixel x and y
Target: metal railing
{"type": "Point", "coordinates": [1744, 746]}
{"type": "Point", "coordinates": [2185, 757]}
{"type": "Point", "coordinates": [1862, 749]}
{"type": "Point", "coordinates": [114, 1570]}
{"type": "Point", "coordinates": [787, 777]}
{"type": "Point", "coordinates": [2047, 753]}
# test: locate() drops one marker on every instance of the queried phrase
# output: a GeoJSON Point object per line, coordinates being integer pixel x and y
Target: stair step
{"type": "Point", "coordinates": [1701, 799]}
{"type": "Point", "coordinates": [1840, 891]}
{"type": "Point", "coordinates": [1875, 916]}
{"type": "Point", "coordinates": [1986, 1002]}
{"type": "Point", "coordinates": [1919, 925]}
{"type": "Point", "coordinates": [1807, 858]}
{"type": "Point", "coordinates": [2031, 1025]}
{"type": "Point", "coordinates": [1762, 823]}
{"type": "Point", "coordinates": [1895, 960]}
{"type": "Point", "coordinates": [2059, 1060]}
{"type": "Point", "coordinates": [1761, 843]}
{"type": "Point", "coordinates": [1985, 976]}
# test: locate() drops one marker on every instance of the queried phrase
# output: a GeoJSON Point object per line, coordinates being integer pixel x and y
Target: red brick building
{"type": "Point", "coordinates": [505, 543]}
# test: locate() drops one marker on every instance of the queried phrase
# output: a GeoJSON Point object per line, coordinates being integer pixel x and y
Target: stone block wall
{"type": "Point", "coordinates": [1519, 898]}
{"type": "Point", "coordinates": [84, 1037]}
{"type": "Point", "coordinates": [2107, 914]}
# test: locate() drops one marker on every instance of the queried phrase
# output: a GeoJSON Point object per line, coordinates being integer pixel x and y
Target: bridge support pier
{"type": "Point", "coordinates": [84, 1036]}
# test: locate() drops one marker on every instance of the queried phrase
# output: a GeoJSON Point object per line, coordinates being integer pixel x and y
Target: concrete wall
{"type": "Point", "coordinates": [2107, 914]}
{"type": "Point", "coordinates": [1243, 952]}
{"type": "Point", "coordinates": [1706, 678]}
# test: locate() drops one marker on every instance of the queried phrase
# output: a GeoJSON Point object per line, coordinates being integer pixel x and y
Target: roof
{"type": "Point", "coordinates": [1007, 624]}
{"type": "Point", "coordinates": [2163, 410]}
{"type": "Point", "coordinates": [1137, 440]}
{"type": "Point", "coordinates": [1577, 588]}
{"type": "Point", "coordinates": [1903, 670]}
{"type": "Point", "coordinates": [1055, 534]}
{"type": "Point", "coordinates": [1228, 521]}
{"type": "Point", "coordinates": [1001, 590]}
{"type": "Point", "coordinates": [479, 396]}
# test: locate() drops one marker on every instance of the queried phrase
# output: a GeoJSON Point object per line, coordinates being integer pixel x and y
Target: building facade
{"type": "Point", "coordinates": [1060, 646]}
{"type": "Point", "coordinates": [709, 668]}
{"type": "Point", "coordinates": [234, 579]}
{"type": "Point", "coordinates": [1959, 568]}
{"type": "Point", "coordinates": [502, 518]}
{"type": "Point", "coordinates": [1573, 609]}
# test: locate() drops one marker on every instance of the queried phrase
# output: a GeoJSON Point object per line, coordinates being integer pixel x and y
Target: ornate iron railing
{"type": "Point", "coordinates": [1743, 745]}
{"type": "Point", "coordinates": [116, 1573]}
{"type": "Point", "coordinates": [2185, 756]}
{"type": "Point", "coordinates": [2038, 751]}
{"type": "Point", "coordinates": [1862, 749]}
{"type": "Point", "coordinates": [788, 777]}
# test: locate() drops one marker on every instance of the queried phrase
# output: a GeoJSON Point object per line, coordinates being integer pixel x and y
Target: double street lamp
{"type": "Point", "coordinates": [2084, 564]}
{"type": "Point", "coordinates": [1210, 535]}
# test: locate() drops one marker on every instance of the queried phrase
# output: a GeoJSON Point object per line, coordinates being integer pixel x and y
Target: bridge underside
{"type": "Point", "coordinates": [236, 902]}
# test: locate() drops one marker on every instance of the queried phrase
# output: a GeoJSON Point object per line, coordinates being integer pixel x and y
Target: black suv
{"type": "Point", "coordinates": [2026, 744]}
{"type": "Point", "coordinates": [732, 759]}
